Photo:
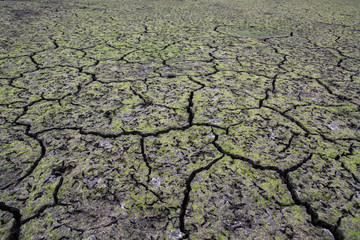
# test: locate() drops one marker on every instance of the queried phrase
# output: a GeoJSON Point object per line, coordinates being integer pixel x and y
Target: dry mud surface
{"type": "Point", "coordinates": [150, 119]}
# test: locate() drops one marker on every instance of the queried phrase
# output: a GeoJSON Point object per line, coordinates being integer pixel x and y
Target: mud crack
{"type": "Point", "coordinates": [187, 192]}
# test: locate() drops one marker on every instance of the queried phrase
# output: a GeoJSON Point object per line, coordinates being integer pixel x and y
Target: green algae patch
{"type": "Point", "coordinates": [13, 67]}
{"type": "Point", "coordinates": [52, 83]}
{"type": "Point", "coordinates": [6, 223]}
{"type": "Point", "coordinates": [230, 207]}
{"type": "Point", "coordinates": [18, 152]}
{"type": "Point", "coordinates": [333, 122]}
{"type": "Point", "coordinates": [329, 201]}
{"type": "Point", "coordinates": [105, 52]}
{"type": "Point", "coordinates": [227, 95]}
{"type": "Point", "coordinates": [171, 164]}
{"type": "Point", "coordinates": [63, 57]}
{"type": "Point", "coordinates": [118, 71]}
{"type": "Point", "coordinates": [351, 160]}
{"type": "Point", "coordinates": [11, 94]}
{"type": "Point", "coordinates": [351, 226]}
{"type": "Point", "coordinates": [264, 136]}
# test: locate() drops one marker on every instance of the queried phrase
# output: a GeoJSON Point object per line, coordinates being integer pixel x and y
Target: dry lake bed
{"type": "Point", "coordinates": [155, 119]}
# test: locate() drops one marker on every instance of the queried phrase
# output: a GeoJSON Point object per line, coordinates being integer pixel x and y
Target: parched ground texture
{"type": "Point", "coordinates": [208, 119]}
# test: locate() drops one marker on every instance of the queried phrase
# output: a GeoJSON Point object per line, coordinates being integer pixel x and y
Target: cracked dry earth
{"type": "Point", "coordinates": [180, 119]}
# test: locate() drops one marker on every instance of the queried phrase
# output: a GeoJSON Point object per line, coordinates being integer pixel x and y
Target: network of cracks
{"type": "Point", "coordinates": [138, 121]}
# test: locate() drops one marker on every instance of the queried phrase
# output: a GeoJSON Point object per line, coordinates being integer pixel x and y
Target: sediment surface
{"type": "Point", "coordinates": [208, 119]}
